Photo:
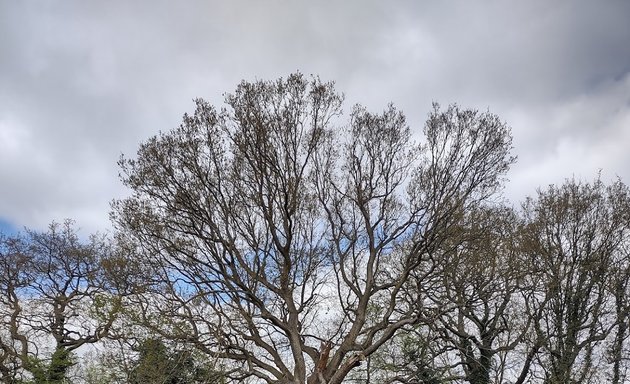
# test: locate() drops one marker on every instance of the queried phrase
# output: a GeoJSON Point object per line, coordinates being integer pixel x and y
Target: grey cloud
{"type": "Point", "coordinates": [84, 81]}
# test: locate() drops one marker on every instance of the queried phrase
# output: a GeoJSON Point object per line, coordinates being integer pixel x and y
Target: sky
{"type": "Point", "coordinates": [82, 82]}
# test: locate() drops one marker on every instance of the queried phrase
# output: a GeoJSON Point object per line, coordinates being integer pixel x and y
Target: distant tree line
{"type": "Point", "coordinates": [272, 241]}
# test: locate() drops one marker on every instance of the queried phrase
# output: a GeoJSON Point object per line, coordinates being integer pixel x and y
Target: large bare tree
{"type": "Point", "coordinates": [284, 242]}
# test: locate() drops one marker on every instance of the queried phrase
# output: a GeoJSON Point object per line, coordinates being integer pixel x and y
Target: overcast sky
{"type": "Point", "coordinates": [83, 81]}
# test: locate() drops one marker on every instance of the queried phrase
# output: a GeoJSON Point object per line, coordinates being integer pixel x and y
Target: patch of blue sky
{"type": "Point", "coordinates": [6, 227]}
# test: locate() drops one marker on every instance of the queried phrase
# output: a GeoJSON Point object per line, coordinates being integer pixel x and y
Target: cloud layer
{"type": "Point", "coordinates": [83, 82]}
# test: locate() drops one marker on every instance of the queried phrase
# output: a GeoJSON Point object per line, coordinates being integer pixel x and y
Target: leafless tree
{"type": "Point", "coordinates": [283, 242]}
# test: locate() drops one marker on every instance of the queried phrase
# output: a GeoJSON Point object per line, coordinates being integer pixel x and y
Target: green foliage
{"type": "Point", "coordinates": [417, 355]}
{"type": "Point", "coordinates": [53, 371]}
{"type": "Point", "coordinates": [410, 355]}
{"type": "Point", "coordinates": [157, 364]}
{"type": "Point", "coordinates": [95, 375]}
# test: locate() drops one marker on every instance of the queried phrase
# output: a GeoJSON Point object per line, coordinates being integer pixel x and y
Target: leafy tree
{"type": "Point", "coordinates": [157, 364]}
{"type": "Point", "coordinates": [413, 356]}
{"type": "Point", "coordinates": [620, 292]}
{"type": "Point", "coordinates": [472, 295]}
{"type": "Point", "coordinates": [536, 297]}
{"type": "Point", "coordinates": [55, 297]}
{"type": "Point", "coordinates": [478, 294]}
{"type": "Point", "coordinates": [575, 234]}
{"type": "Point", "coordinates": [271, 230]}
{"type": "Point", "coordinates": [53, 370]}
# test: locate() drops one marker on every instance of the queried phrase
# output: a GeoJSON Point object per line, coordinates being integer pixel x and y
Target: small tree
{"type": "Point", "coordinates": [55, 298]}
{"type": "Point", "coordinates": [283, 243]}
{"type": "Point", "coordinates": [157, 364]}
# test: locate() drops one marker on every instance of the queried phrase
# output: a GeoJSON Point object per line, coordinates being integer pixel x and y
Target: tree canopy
{"type": "Point", "coordinates": [290, 225]}
{"type": "Point", "coordinates": [276, 239]}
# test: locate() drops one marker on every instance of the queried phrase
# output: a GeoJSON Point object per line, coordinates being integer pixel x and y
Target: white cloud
{"type": "Point", "coordinates": [575, 138]}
